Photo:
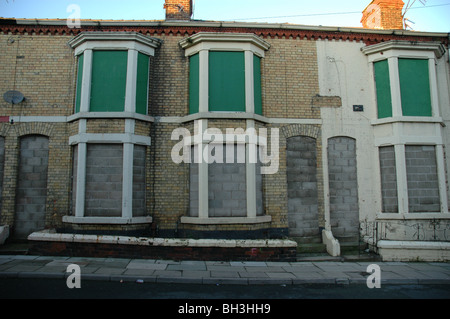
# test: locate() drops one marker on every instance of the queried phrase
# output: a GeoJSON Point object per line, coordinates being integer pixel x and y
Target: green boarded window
{"type": "Point", "coordinates": [109, 75]}
{"type": "Point", "coordinates": [226, 81]}
{"type": "Point", "coordinates": [257, 84]}
{"type": "Point", "coordinates": [79, 83]}
{"type": "Point", "coordinates": [142, 83]}
{"type": "Point", "coordinates": [194, 82]}
{"type": "Point", "coordinates": [415, 87]}
{"type": "Point", "coordinates": [383, 89]}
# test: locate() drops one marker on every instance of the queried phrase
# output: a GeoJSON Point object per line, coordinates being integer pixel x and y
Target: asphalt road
{"type": "Point", "coordinates": [44, 288]}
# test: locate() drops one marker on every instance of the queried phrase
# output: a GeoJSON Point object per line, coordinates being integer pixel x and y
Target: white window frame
{"type": "Point", "coordinates": [250, 168]}
{"type": "Point", "coordinates": [204, 42]}
{"type": "Point", "coordinates": [392, 51]}
{"type": "Point", "coordinates": [87, 42]}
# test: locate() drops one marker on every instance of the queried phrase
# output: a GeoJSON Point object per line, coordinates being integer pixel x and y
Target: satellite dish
{"type": "Point", "coordinates": [14, 97]}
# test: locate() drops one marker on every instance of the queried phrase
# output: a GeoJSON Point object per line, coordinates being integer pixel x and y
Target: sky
{"type": "Point", "coordinates": [434, 16]}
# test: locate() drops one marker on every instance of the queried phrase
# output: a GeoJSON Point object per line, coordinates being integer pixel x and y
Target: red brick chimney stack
{"type": "Point", "coordinates": [383, 14]}
{"type": "Point", "coordinates": [178, 9]}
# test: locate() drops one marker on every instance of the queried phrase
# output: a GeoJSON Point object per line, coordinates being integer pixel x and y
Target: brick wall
{"type": "Point", "coordinates": [46, 73]}
{"type": "Point", "coordinates": [178, 9]}
{"type": "Point", "coordinates": [383, 14]}
{"type": "Point", "coordinates": [42, 68]}
{"type": "Point", "coordinates": [289, 77]}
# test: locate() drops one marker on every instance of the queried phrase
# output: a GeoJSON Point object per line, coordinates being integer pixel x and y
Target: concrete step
{"type": "Point", "coordinates": [14, 248]}
{"type": "Point", "coordinates": [369, 256]}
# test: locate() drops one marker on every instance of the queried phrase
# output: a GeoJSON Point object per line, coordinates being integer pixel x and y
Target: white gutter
{"type": "Point", "coordinates": [224, 24]}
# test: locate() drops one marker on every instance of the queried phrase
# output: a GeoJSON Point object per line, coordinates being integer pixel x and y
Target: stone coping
{"type": "Point", "coordinates": [405, 244]}
{"type": "Point", "coordinates": [49, 235]}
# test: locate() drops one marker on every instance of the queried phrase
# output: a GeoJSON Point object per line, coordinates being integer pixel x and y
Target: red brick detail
{"type": "Point", "coordinates": [383, 14]}
{"type": "Point", "coordinates": [166, 253]}
{"type": "Point", "coordinates": [367, 38]}
{"type": "Point", "coordinates": [178, 9]}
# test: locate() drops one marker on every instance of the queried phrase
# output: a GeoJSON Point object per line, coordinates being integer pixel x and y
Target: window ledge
{"type": "Point", "coordinates": [412, 216]}
{"type": "Point", "coordinates": [224, 115]}
{"type": "Point", "coordinates": [225, 220]}
{"type": "Point", "coordinates": [107, 220]}
{"type": "Point", "coordinates": [110, 115]}
{"type": "Point", "coordinates": [407, 119]}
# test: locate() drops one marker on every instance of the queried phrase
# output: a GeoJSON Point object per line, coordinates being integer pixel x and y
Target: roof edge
{"type": "Point", "coordinates": [217, 24]}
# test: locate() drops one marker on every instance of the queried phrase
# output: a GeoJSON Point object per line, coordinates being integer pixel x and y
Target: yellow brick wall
{"type": "Point", "coordinates": [45, 71]}
{"type": "Point", "coordinates": [42, 68]}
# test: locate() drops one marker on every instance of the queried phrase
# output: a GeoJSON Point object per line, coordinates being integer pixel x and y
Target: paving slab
{"type": "Point", "coordinates": [138, 272]}
{"type": "Point", "coordinates": [197, 266]}
{"type": "Point", "coordinates": [136, 264]}
{"type": "Point", "coordinates": [167, 273]}
{"type": "Point", "coordinates": [109, 271]}
{"type": "Point", "coordinates": [196, 273]}
{"type": "Point", "coordinates": [224, 272]}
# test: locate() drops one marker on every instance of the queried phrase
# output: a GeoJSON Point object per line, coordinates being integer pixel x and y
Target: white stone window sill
{"type": "Point", "coordinates": [110, 115]}
{"type": "Point", "coordinates": [225, 220]}
{"type": "Point", "coordinates": [407, 119]}
{"type": "Point", "coordinates": [412, 216]}
{"type": "Point", "coordinates": [107, 220]}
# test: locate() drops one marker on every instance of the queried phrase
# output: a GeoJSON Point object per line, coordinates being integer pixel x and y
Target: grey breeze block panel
{"type": "Point", "coordinates": [301, 170]}
{"type": "Point", "coordinates": [31, 193]}
{"type": "Point", "coordinates": [343, 186]}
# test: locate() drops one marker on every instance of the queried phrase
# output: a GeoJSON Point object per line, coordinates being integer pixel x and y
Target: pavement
{"type": "Point", "coordinates": [224, 272]}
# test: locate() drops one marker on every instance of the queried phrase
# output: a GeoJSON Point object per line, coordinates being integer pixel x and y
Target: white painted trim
{"type": "Point", "coordinates": [197, 116]}
{"type": "Point", "coordinates": [110, 138]}
{"type": "Point", "coordinates": [203, 183]}
{"type": "Point", "coordinates": [131, 81]}
{"type": "Point", "coordinates": [106, 220]}
{"type": "Point", "coordinates": [249, 83]}
{"type": "Point", "coordinates": [224, 41]}
{"type": "Point", "coordinates": [402, 183]}
{"type": "Point", "coordinates": [81, 180]}
{"type": "Point", "coordinates": [405, 244]}
{"type": "Point", "coordinates": [127, 181]}
{"type": "Point", "coordinates": [82, 126]}
{"type": "Point", "coordinates": [41, 119]}
{"type": "Point", "coordinates": [326, 185]}
{"type": "Point", "coordinates": [226, 220]}
{"type": "Point", "coordinates": [237, 116]}
{"type": "Point", "coordinates": [407, 48]}
{"type": "Point", "coordinates": [250, 173]}
{"type": "Point", "coordinates": [407, 119]}
{"type": "Point", "coordinates": [45, 235]}
{"type": "Point", "coordinates": [435, 111]}
{"type": "Point", "coordinates": [440, 167]}
{"type": "Point", "coordinates": [110, 115]}
{"type": "Point", "coordinates": [114, 40]}
{"type": "Point", "coordinates": [86, 81]}
{"type": "Point", "coordinates": [394, 79]}
{"type": "Point", "coordinates": [114, 46]}
{"type": "Point", "coordinates": [130, 126]}
{"type": "Point", "coordinates": [203, 81]}
{"type": "Point", "coordinates": [412, 216]}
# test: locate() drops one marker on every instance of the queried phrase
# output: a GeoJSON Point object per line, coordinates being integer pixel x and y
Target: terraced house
{"type": "Point", "coordinates": [205, 139]}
